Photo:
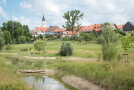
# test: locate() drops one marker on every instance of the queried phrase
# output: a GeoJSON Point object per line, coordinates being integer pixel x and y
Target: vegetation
{"type": "Point", "coordinates": [40, 45]}
{"type": "Point", "coordinates": [7, 37]}
{"type": "Point", "coordinates": [109, 42]}
{"type": "Point", "coordinates": [86, 36]}
{"type": "Point", "coordinates": [17, 31]}
{"type": "Point", "coordinates": [126, 43]}
{"type": "Point", "coordinates": [66, 49]}
{"type": "Point", "coordinates": [73, 17]}
{"type": "Point", "coordinates": [2, 41]}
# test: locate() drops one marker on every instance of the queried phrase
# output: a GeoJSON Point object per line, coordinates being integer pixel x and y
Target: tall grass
{"type": "Point", "coordinates": [112, 76]}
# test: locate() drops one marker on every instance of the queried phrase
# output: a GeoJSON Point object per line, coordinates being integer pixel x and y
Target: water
{"type": "Point", "coordinates": [41, 82]}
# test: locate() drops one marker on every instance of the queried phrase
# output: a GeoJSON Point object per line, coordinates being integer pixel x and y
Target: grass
{"type": "Point", "coordinates": [111, 75]}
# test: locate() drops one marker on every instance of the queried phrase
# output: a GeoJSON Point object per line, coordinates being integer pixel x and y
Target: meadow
{"type": "Point", "coordinates": [110, 75]}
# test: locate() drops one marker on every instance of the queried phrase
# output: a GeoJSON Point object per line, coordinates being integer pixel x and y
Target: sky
{"type": "Point", "coordinates": [30, 12]}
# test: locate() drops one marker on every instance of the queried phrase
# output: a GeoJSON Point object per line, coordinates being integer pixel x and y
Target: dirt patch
{"type": "Point", "coordinates": [39, 57]}
{"type": "Point", "coordinates": [80, 84]}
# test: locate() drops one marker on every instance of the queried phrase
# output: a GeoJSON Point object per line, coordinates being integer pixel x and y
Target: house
{"type": "Point", "coordinates": [119, 27]}
{"type": "Point", "coordinates": [128, 27]}
{"type": "Point", "coordinates": [50, 30]}
{"type": "Point", "coordinates": [96, 27]}
{"type": "Point", "coordinates": [36, 32]}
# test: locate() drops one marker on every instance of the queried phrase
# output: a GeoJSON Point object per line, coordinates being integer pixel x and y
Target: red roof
{"type": "Point", "coordinates": [70, 33]}
{"type": "Point", "coordinates": [120, 26]}
{"type": "Point", "coordinates": [43, 29]}
{"type": "Point", "coordinates": [60, 30]}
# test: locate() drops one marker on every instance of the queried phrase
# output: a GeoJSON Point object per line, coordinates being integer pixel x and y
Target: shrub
{"type": "Point", "coordinates": [109, 42]}
{"type": "Point", "coordinates": [66, 49]}
{"type": "Point", "coordinates": [74, 37]}
{"type": "Point", "coordinates": [66, 39]}
{"type": "Point", "coordinates": [2, 41]}
{"type": "Point", "coordinates": [8, 47]}
{"type": "Point", "coordinates": [21, 39]}
{"type": "Point", "coordinates": [24, 49]}
{"type": "Point", "coordinates": [40, 45]}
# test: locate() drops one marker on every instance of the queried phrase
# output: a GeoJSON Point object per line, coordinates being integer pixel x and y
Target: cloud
{"type": "Point", "coordinates": [27, 21]}
{"type": "Point", "coordinates": [95, 11]}
{"type": "Point", "coordinates": [3, 13]}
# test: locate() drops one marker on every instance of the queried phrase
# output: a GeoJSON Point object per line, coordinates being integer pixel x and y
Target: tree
{"type": "Point", "coordinates": [39, 45]}
{"type": "Point", "coordinates": [21, 39]}
{"type": "Point", "coordinates": [109, 42]}
{"type": "Point", "coordinates": [126, 43]}
{"type": "Point", "coordinates": [66, 49]}
{"type": "Point", "coordinates": [16, 30]}
{"type": "Point", "coordinates": [2, 41]}
{"type": "Point", "coordinates": [86, 36]}
{"type": "Point", "coordinates": [7, 37]}
{"type": "Point", "coordinates": [95, 33]}
{"type": "Point", "coordinates": [73, 17]}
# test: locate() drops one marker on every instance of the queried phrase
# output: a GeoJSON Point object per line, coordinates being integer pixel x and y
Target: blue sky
{"type": "Point", "coordinates": [95, 11]}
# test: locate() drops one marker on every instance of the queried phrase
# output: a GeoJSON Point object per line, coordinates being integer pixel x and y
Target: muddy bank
{"type": "Point", "coordinates": [80, 84]}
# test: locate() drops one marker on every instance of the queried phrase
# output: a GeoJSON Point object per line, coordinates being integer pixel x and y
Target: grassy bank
{"type": "Point", "coordinates": [9, 80]}
{"type": "Point", "coordinates": [110, 75]}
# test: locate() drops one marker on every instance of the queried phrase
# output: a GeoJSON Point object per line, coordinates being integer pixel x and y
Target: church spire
{"type": "Point", "coordinates": [43, 19]}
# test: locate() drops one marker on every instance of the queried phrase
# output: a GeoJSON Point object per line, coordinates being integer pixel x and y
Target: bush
{"type": "Point", "coordinates": [24, 49]}
{"type": "Point", "coordinates": [8, 47]}
{"type": "Point", "coordinates": [66, 39]}
{"type": "Point", "coordinates": [75, 38]}
{"type": "Point", "coordinates": [21, 39]}
{"type": "Point", "coordinates": [109, 41]}
{"type": "Point", "coordinates": [66, 49]}
{"type": "Point", "coordinates": [40, 45]}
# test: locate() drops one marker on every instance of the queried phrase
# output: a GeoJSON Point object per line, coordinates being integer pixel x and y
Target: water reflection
{"type": "Point", "coordinates": [45, 83]}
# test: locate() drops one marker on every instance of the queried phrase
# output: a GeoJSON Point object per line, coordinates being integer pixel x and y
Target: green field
{"type": "Point", "coordinates": [111, 75]}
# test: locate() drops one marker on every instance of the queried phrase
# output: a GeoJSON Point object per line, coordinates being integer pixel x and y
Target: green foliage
{"type": "Point", "coordinates": [16, 30]}
{"type": "Point", "coordinates": [7, 37]}
{"type": "Point", "coordinates": [109, 42]}
{"type": "Point", "coordinates": [2, 41]}
{"type": "Point", "coordinates": [50, 37]}
{"type": "Point", "coordinates": [86, 36]}
{"type": "Point", "coordinates": [74, 37]}
{"type": "Point", "coordinates": [126, 43]}
{"type": "Point", "coordinates": [66, 49]}
{"type": "Point", "coordinates": [24, 49]}
{"type": "Point", "coordinates": [21, 39]}
{"type": "Point", "coordinates": [73, 18]}
{"type": "Point", "coordinates": [120, 32]}
{"type": "Point", "coordinates": [40, 45]}
{"type": "Point", "coordinates": [8, 47]}
{"type": "Point", "coordinates": [66, 39]}
{"type": "Point", "coordinates": [95, 33]}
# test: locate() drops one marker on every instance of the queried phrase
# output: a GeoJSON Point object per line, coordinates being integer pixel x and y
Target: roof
{"type": "Point", "coordinates": [33, 32]}
{"type": "Point", "coordinates": [43, 29]}
{"type": "Point", "coordinates": [52, 28]}
{"type": "Point", "coordinates": [60, 30]}
{"type": "Point", "coordinates": [70, 33]}
{"type": "Point", "coordinates": [119, 26]}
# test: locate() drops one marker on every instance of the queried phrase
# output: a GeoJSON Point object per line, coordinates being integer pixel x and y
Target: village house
{"type": "Point", "coordinates": [128, 27]}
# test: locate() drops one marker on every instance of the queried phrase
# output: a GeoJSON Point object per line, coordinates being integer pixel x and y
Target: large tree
{"type": "Point", "coordinates": [7, 37]}
{"type": "Point", "coordinates": [2, 41]}
{"type": "Point", "coordinates": [16, 30]}
{"type": "Point", "coordinates": [72, 20]}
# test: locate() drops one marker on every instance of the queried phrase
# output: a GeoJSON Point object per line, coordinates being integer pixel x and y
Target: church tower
{"type": "Point", "coordinates": [43, 21]}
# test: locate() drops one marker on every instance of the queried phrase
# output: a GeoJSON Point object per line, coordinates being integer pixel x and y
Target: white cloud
{"type": "Point", "coordinates": [3, 13]}
{"type": "Point", "coordinates": [95, 11]}
{"type": "Point", "coordinates": [25, 5]}
{"type": "Point", "coordinates": [27, 21]}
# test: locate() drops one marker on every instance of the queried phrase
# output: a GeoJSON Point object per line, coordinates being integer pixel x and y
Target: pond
{"type": "Point", "coordinates": [42, 82]}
